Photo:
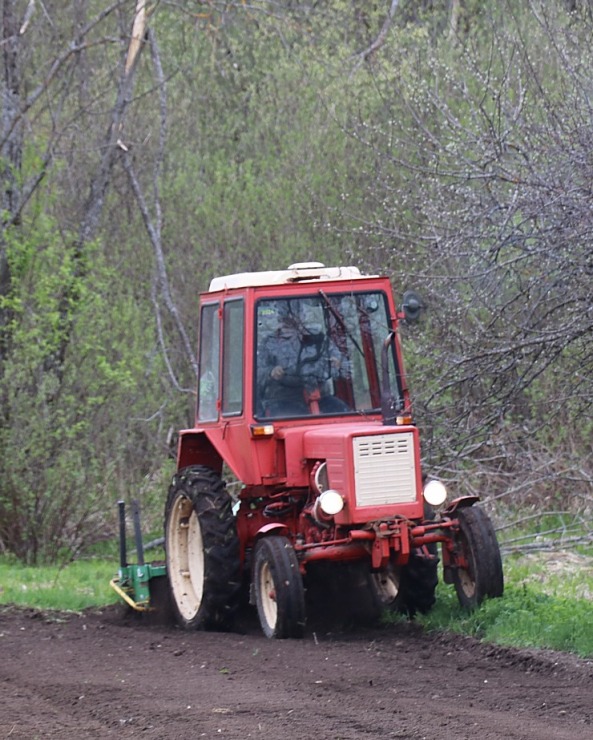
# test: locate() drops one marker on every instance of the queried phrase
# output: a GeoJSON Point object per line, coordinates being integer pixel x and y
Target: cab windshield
{"type": "Point", "coordinates": [321, 355]}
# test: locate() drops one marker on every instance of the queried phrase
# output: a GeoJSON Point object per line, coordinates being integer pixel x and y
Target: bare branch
{"type": "Point", "coordinates": [162, 342]}
{"type": "Point", "coordinates": [161, 269]}
{"type": "Point", "coordinates": [382, 35]}
{"type": "Point", "coordinates": [138, 31]}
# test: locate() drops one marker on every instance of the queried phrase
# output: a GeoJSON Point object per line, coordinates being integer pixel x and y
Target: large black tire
{"type": "Point", "coordinates": [477, 543]}
{"type": "Point", "coordinates": [278, 588]}
{"type": "Point", "coordinates": [202, 548]}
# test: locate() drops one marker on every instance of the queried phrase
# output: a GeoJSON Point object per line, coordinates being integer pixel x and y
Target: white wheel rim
{"type": "Point", "coordinates": [467, 583]}
{"type": "Point", "coordinates": [386, 585]}
{"type": "Point", "coordinates": [268, 595]}
{"type": "Point", "coordinates": [185, 553]}
{"type": "Point", "coordinates": [466, 578]}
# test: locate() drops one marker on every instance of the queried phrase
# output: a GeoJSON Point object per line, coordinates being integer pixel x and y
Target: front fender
{"type": "Point", "coordinates": [459, 503]}
{"type": "Point", "coordinates": [273, 528]}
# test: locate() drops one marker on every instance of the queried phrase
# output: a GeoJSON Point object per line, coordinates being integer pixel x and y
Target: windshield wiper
{"type": "Point", "coordinates": [340, 319]}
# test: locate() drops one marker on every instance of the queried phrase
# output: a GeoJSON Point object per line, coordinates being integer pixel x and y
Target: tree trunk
{"type": "Point", "coordinates": [11, 143]}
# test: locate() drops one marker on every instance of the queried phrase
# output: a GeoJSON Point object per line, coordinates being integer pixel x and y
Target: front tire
{"type": "Point", "coordinates": [202, 549]}
{"type": "Point", "coordinates": [480, 573]}
{"type": "Point", "coordinates": [278, 588]}
{"type": "Point", "coordinates": [421, 580]}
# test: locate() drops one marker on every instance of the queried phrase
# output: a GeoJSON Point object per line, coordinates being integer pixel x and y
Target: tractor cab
{"type": "Point", "coordinates": [312, 349]}
{"type": "Point", "coordinates": [307, 345]}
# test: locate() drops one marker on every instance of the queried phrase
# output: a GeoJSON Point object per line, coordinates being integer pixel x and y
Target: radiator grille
{"type": "Point", "coordinates": [384, 470]}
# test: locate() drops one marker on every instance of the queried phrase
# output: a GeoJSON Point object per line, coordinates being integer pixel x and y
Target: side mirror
{"type": "Point", "coordinates": [412, 306]}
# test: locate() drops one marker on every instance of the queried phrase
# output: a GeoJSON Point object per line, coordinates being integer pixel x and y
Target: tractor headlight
{"type": "Point", "coordinates": [331, 502]}
{"type": "Point", "coordinates": [435, 492]}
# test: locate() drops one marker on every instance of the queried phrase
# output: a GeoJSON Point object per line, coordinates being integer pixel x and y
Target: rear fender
{"type": "Point", "coordinates": [194, 448]}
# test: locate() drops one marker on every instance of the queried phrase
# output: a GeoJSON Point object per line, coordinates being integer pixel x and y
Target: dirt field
{"type": "Point", "coordinates": [100, 675]}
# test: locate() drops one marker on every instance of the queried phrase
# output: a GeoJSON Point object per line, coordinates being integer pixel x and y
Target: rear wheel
{"type": "Point", "coordinates": [479, 572]}
{"type": "Point", "coordinates": [202, 549]}
{"type": "Point", "coordinates": [278, 588]}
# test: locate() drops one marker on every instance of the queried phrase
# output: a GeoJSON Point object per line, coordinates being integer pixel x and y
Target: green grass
{"type": "Point", "coordinates": [73, 587]}
{"type": "Point", "coordinates": [548, 600]}
{"type": "Point", "coordinates": [548, 603]}
{"type": "Point", "coordinates": [567, 574]}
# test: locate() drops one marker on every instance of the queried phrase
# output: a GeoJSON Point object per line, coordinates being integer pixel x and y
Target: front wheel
{"type": "Point", "coordinates": [478, 573]}
{"type": "Point", "coordinates": [407, 589]}
{"type": "Point", "coordinates": [202, 549]}
{"type": "Point", "coordinates": [278, 588]}
{"type": "Point", "coordinates": [386, 587]}
{"type": "Point", "coordinates": [421, 579]}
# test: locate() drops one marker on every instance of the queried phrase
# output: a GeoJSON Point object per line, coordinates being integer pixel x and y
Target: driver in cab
{"type": "Point", "coordinates": [294, 361]}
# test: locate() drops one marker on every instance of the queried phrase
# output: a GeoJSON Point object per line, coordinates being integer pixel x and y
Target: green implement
{"type": "Point", "coordinates": [132, 583]}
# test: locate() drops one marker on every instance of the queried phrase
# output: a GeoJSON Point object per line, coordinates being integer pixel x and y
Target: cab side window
{"type": "Point", "coordinates": [232, 364]}
{"type": "Point", "coordinates": [208, 384]}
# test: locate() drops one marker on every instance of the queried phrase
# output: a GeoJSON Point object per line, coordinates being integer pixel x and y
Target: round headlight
{"type": "Point", "coordinates": [331, 502]}
{"type": "Point", "coordinates": [435, 492]}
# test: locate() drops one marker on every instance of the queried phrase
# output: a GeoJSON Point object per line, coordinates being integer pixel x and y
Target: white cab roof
{"type": "Point", "coordinates": [299, 272]}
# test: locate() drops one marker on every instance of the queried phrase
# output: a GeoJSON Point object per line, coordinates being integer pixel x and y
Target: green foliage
{"type": "Point", "coordinates": [66, 455]}
{"type": "Point", "coordinates": [271, 190]}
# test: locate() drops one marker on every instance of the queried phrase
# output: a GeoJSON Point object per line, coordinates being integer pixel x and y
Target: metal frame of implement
{"type": "Point", "coordinates": [132, 581]}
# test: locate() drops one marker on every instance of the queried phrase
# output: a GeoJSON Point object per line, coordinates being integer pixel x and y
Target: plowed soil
{"type": "Point", "coordinates": [100, 675]}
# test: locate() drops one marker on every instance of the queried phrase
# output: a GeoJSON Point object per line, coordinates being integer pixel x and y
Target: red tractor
{"type": "Point", "coordinates": [302, 395]}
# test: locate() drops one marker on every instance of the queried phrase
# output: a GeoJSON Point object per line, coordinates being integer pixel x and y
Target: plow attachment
{"type": "Point", "coordinates": [143, 586]}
